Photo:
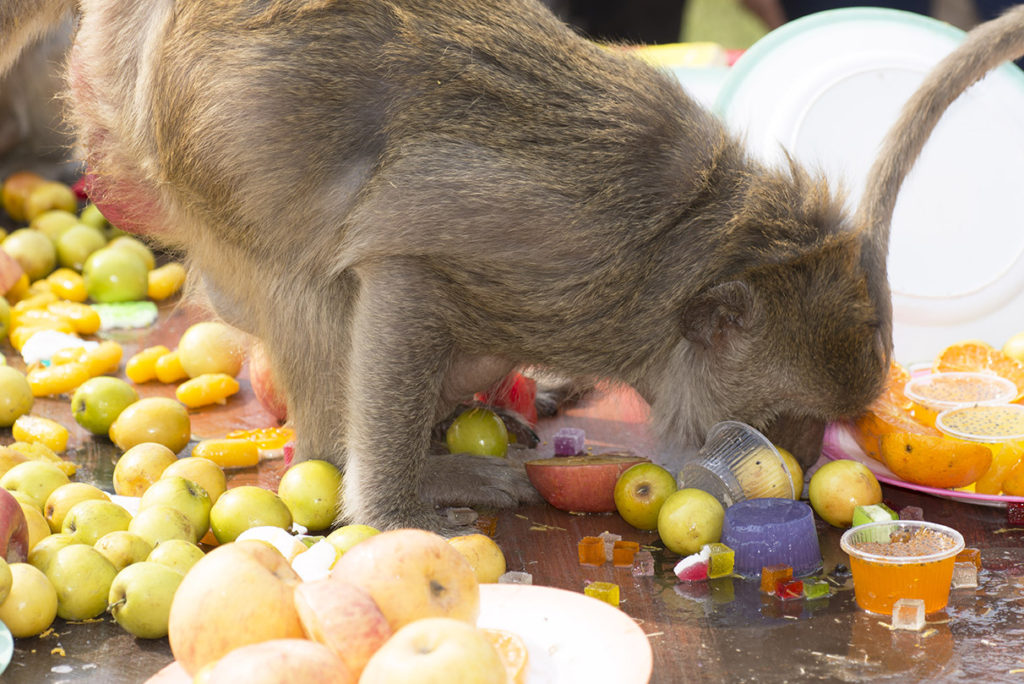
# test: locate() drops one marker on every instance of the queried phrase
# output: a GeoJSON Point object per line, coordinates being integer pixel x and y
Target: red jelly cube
{"type": "Point", "coordinates": [1015, 513]}
{"type": "Point", "coordinates": [771, 575]}
{"type": "Point", "coordinates": [789, 589]}
{"type": "Point", "coordinates": [591, 551]}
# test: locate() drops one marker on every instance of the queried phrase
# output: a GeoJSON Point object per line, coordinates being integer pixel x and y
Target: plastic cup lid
{"type": "Point", "coordinates": [941, 391]}
{"type": "Point", "coordinates": [993, 423]}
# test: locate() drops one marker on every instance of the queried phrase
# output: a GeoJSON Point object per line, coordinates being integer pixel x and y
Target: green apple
{"type": "Point", "coordinates": [211, 347]}
{"type": "Point", "coordinates": [247, 506]}
{"type": "Point", "coordinates": [98, 402]}
{"type": "Point", "coordinates": [63, 499]}
{"type": "Point", "coordinates": [53, 223]}
{"type": "Point", "coordinates": [82, 577]}
{"type": "Point", "coordinates": [6, 580]}
{"type": "Point", "coordinates": [15, 394]}
{"type": "Point", "coordinates": [89, 520]}
{"type": "Point", "coordinates": [639, 493]}
{"type": "Point", "coordinates": [204, 472]}
{"type": "Point", "coordinates": [152, 419]}
{"type": "Point", "coordinates": [137, 246]}
{"type": "Point", "coordinates": [312, 491]}
{"type": "Point", "coordinates": [159, 523]}
{"type": "Point", "coordinates": [34, 479]}
{"type": "Point", "coordinates": [76, 244]}
{"type": "Point", "coordinates": [115, 275]}
{"type": "Point", "coordinates": [123, 548]}
{"type": "Point", "coordinates": [347, 536]}
{"type": "Point", "coordinates": [141, 466]}
{"type": "Point", "coordinates": [92, 216]}
{"type": "Point", "coordinates": [33, 251]}
{"type": "Point", "coordinates": [177, 554]}
{"type": "Point", "coordinates": [140, 598]}
{"type": "Point", "coordinates": [477, 431]}
{"type": "Point", "coordinates": [43, 552]}
{"type": "Point", "coordinates": [5, 319]}
{"type": "Point", "coordinates": [32, 603]}
{"type": "Point", "coordinates": [689, 519]}
{"type": "Point", "coordinates": [184, 495]}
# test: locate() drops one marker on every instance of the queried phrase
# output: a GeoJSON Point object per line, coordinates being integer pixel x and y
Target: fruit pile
{"type": "Point", "coordinates": [901, 433]}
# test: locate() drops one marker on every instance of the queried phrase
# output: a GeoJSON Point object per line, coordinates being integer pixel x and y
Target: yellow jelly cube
{"type": "Point", "coordinates": [67, 284]}
{"type": "Point", "coordinates": [166, 280]}
{"type": "Point", "coordinates": [142, 366]}
{"type": "Point", "coordinates": [52, 380]}
{"type": "Point", "coordinates": [206, 389]}
{"type": "Point", "coordinates": [36, 429]}
{"type": "Point", "coordinates": [168, 368]}
{"type": "Point", "coordinates": [102, 359]}
{"type": "Point", "coordinates": [82, 317]}
{"type": "Point", "coordinates": [603, 591]}
{"type": "Point", "coordinates": [228, 453]}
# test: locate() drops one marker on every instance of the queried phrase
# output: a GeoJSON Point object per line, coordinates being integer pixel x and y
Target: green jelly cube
{"type": "Point", "coordinates": [603, 591]}
{"type": "Point", "coordinates": [874, 513]}
{"type": "Point", "coordinates": [720, 560]}
{"type": "Point", "coordinates": [814, 589]}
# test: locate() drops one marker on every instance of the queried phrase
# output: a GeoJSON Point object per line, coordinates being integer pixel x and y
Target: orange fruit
{"type": "Point", "coordinates": [512, 651]}
{"type": "Point", "coordinates": [892, 412]}
{"type": "Point", "coordinates": [1013, 485]}
{"type": "Point", "coordinates": [977, 356]}
{"type": "Point", "coordinates": [1005, 458]}
{"type": "Point", "coordinates": [934, 461]}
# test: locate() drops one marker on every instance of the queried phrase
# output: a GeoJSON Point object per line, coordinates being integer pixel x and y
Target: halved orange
{"type": "Point", "coordinates": [934, 461]}
{"type": "Point", "coordinates": [977, 356]}
{"type": "Point", "coordinates": [892, 412]}
{"type": "Point", "coordinates": [512, 651]}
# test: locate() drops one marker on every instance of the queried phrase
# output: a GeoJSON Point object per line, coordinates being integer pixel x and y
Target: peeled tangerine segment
{"type": "Point", "coordinates": [934, 461]}
{"type": "Point", "coordinates": [228, 453]}
{"type": "Point", "coordinates": [206, 389]}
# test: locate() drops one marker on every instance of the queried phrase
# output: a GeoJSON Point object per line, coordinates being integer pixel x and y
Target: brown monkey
{"type": "Point", "coordinates": [406, 199]}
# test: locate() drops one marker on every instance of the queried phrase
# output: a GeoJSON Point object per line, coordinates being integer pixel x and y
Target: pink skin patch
{"type": "Point", "coordinates": [126, 205]}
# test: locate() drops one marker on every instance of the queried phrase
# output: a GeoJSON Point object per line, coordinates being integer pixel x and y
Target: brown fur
{"type": "Point", "coordinates": [405, 200]}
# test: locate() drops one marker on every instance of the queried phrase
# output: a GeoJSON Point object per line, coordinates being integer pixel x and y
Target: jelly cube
{"type": "Point", "coordinates": [609, 540]}
{"type": "Point", "coordinates": [908, 614]}
{"type": "Point", "coordinates": [487, 524]}
{"type": "Point", "coordinates": [722, 590]}
{"type": "Point", "coordinates": [623, 553]}
{"type": "Point", "coordinates": [603, 591]}
{"type": "Point", "coordinates": [970, 555]}
{"type": "Point", "coordinates": [591, 551]}
{"type": "Point", "coordinates": [694, 567]}
{"type": "Point", "coordinates": [771, 574]}
{"type": "Point", "coordinates": [569, 441]}
{"type": "Point", "coordinates": [789, 589]}
{"type": "Point", "coordinates": [722, 558]}
{"type": "Point", "coordinates": [815, 589]}
{"type": "Point", "coordinates": [965, 575]}
{"type": "Point", "coordinates": [911, 513]}
{"type": "Point", "coordinates": [872, 513]}
{"type": "Point", "coordinates": [643, 564]}
{"type": "Point", "coordinates": [1015, 513]}
{"type": "Point", "coordinates": [461, 516]}
{"type": "Point", "coordinates": [516, 577]}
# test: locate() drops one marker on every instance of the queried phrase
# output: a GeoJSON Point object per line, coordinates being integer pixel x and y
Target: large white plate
{"type": "Point", "coordinates": [828, 86]}
{"type": "Point", "coordinates": [570, 636]}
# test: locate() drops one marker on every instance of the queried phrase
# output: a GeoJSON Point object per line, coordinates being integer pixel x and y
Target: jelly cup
{"type": "Point", "coordinates": [901, 559]}
{"type": "Point", "coordinates": [737, 463]}
{"type": "Point", "coordinates": [1000, 426]}
{"type": "Point", "coordinates": [938, 392]}
{"type": "Point", "coordinates": [772, 531]}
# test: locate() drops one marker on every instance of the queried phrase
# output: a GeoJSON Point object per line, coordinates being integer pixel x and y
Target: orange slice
{"type": "Point", "coordinates": [892, 412]}
{"type": "Point", "coordinates": [512, 651]}
{"type": "Point", "coordinates": [976, 356]}
{"type": "Point", "coordinates": [934, 461]}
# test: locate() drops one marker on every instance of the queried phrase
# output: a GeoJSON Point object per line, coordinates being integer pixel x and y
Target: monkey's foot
{"type": "Point", "coordinates": [467, 480]}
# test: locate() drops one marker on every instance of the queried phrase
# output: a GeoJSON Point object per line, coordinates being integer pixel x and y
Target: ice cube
{"type": "Point", "coordinates": [461, 516]}
{"type": "Point", "coordinates": [643, 564]}
{"type": "Point", "coordinates": [516, 577]}
{"type": "Point", "coordinates": [569, 441]}
{"type": "Point", "coordinates": [965, 575]}
{"type": "Point", "coordinates": [908, 614]}
{"type": "Point", "coordinates": [970, 555]}
{"type": "Point", "coordinates": [694, 567]}
{"type": "Point", "coordinates": [609, 540]}
{"type": "Point", "coordinates": [603, 591]}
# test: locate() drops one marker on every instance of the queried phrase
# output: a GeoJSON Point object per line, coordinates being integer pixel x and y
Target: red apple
{"type": "Point", "coordinates": [172, 673]}
{"type": "Point", "coordinates": [261, 377]}
{"type": "Point", "coordinates": [13, 529]}
{"type": "Point", "coordinates": [580, 484]}
{"type": "Point", "coordinates": [279, 660]}
{"type": "Point", "coordinates": [344, 618]}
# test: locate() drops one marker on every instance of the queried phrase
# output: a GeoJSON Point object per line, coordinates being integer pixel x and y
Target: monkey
{"type": "Point", "coordinates": [407, 199]}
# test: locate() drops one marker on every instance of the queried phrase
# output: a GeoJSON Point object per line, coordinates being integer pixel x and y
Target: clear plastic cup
{"type": "Point", "coordinates": [1001, 427]}
{"type": "Point", "coordinates": [772, 532]}
{"type": "Point", "coordinates": [737, 463]}
{"type": "Point", "coordinates": [938, 392]}
{"type": "Point", "coordinates": [901, 559]}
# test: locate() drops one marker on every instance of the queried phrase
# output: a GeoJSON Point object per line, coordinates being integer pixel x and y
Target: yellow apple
{"type": "Point", "coordinates": [38, 529]}
{"type": "Point", "coordinates": [639, 493]}
{"type": "Point", "coordinates": [47, 548]}
{"type": "Point", "coordinates": [344, 618]}
{"type": "Point", "coordinates": [312, 491]}
{"type": "Point", "coordinates": [241, 508]}
{"type": "Point", "coordinates": [211, 347]}
{"type": "Point", "coordinates": [689, 519]}
{"type": "Point", "coordinates": [176, 554]}
{"type": "Point", "coordinates": [159, 523]}
{"type": "Point", "coordinates": [35, 479]}
{"type": "Point", "coordinates": [239, 593]}
{"type": "Point", "coordinates": [347, 536]}
{"type": "Point", "coordinates": [140, 598]}
{"type": "Point", "coordinates": [183, 495]}
{"type": "Point", "coordinates": [202, 471]}
{"type": "Point", "coordinates": [412, 574]}
{"type": "Point", "coordinates": [838, 487]}
{"type": "Point", "coordinates": [64, 497]}
{"type": "Point", "coordinates": [82, 577]}
{"type": "Point", "coordinates": [279, 660]}
{"type": "Point", "coordinates": [31, 604]}
{"type": "Point", "coordinates": [123, 548]}
{"type": "Point", "coordinates": [484, 554]}
{"type": "Point", "coordinates": [89, 520]}
{"type": "Point", "coordinates": [6, 579]}
{"type": "Point", "coordinates": [141, 466]}
{"type": "Point", "coordinates": [436, 650]}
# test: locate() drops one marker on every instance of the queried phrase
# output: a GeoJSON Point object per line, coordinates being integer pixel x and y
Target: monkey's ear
{"type": "Point", "coordinates": [709, 317]}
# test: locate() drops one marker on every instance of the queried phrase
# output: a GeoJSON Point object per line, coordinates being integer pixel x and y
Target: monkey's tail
{"type": "Point", "coordinates": [986, 46]}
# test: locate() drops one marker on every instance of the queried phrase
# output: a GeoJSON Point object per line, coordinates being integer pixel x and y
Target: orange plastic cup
{"type": "Point", "coordinates": [898, 559]}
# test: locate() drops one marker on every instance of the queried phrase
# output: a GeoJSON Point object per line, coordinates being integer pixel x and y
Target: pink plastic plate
{"type": "Point", "coordinates": [839, 443]}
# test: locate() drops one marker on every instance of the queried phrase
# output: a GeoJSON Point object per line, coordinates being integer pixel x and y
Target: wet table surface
{"type": "Point", "coordinates": [723, 630]}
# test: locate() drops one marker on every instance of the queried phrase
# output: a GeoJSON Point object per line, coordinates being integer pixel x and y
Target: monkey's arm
{"type": "Point", "coordinates": [22, 21]}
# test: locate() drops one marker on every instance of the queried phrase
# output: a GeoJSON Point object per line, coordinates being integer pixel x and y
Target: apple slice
{"type": "Point", "coordinates": [581, 484]}
{"type": "Point", "coordinates": [13, 529]}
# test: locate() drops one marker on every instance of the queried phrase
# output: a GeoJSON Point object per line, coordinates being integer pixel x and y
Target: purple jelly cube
{"type": "Point", "coordinates": [911, 513]}
{"type": "Point", "coordinates": [694, 567]}
{"type": "Point", "coordinates": [569, 441]}
{"type": "Point", "coordinates": [1015, 513]}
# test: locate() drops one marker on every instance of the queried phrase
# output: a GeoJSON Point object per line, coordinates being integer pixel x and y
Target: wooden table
{"type": "Point", "coordinates": [722, 631]}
